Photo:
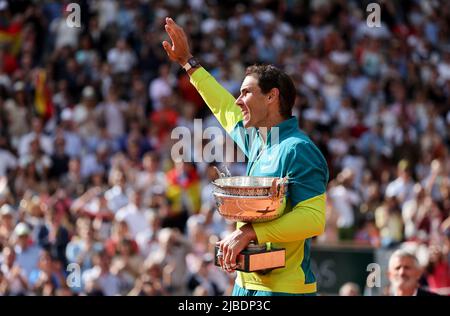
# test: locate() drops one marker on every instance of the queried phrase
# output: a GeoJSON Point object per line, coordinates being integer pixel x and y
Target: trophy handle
{"type": "Point", "coordinates": [277, 188]}
{"type": "Point", "coordinates": [222, 174]}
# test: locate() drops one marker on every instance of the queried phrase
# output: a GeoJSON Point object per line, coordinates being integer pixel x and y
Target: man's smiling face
{"type": "Point", "coordinates": [253, 103]}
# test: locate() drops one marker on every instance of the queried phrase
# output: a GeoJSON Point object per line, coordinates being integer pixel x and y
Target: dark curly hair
{"type": "Point", "coordinates": [270, 77]}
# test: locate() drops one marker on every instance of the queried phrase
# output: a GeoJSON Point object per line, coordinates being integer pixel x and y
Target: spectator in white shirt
{"type": "Point", "coordinates": [37, 132]}
{"type": "Point", "coordinates": [133, 214]}
{"type": "Point", "coordinates": [116, 196]}
{"type": "Point", "coordinates": [64, 34]}
{"type": "Point", "coordinates": [344, 199]}
{"type": "Point", "coordinates": [402, 188]}
{"type": "Point", "coordinates": [112, 112]}
{"type": "Point", "coordinates": [161, 86]}
{"type": "Point", "coordinates": [122, 58]}
{"type": "Point", "coordinates": [151, 179]}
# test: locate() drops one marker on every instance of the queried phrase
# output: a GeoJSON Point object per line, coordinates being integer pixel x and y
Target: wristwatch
{"type": "Point", "coordinates": [191, 63]}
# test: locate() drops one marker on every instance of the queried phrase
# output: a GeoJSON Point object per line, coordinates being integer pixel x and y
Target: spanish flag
{"type": "Point", "coordinates": [11, 36]}
{"type": "Point", "coordinates": [42, 97]}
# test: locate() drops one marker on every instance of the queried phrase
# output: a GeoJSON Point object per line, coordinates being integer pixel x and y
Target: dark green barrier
{"type": "Point", "coordinates": [335, 265]}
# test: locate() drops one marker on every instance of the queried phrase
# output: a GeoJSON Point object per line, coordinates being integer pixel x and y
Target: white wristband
{"type": "Point", "coordinates": [187, 66]}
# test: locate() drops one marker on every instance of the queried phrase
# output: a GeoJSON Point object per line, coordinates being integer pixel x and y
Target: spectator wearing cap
{"type": "Point", "coordinates": [27, 252]}
{"type": "Point", "coordinates": [84, 113]}
{"type": "Point", "coordinates": [67, 130]}
{"type": "Point", "coordinates": [404, 273]}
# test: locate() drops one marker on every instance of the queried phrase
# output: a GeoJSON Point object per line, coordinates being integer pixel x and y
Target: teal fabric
{"type": "Point", "coordinates": [306, 263]}
{"type": "Point", "coordinates": [239, 291]}
{"type": "Point", "coordinates": [293, 154]}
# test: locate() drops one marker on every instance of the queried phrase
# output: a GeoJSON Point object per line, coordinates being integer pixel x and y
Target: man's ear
{"type": "Point", "coordinates": [273, 94]}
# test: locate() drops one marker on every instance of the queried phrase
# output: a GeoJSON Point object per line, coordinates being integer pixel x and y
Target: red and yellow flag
{"type": "Point", "coordinates": [12, 37]}
{"type": "Point", "coordinates": [42, 97]}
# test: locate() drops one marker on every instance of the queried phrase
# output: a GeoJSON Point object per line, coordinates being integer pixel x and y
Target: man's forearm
{"type": "Point", "coordinates": [218, 99]}
{"type": "Point", "coordinates": [306, 220]}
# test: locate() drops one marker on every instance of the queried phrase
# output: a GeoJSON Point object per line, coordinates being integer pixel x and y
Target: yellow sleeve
{"type": "Point", "coordinates": [218, 99]}
{"type": "Point", "coordinates": [306, 220]}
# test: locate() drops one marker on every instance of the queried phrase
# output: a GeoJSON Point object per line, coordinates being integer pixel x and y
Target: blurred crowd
{"type": "Point", "coordinates": [91, 202]}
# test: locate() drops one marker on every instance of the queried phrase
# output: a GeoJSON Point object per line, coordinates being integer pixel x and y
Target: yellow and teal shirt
{"type": "Point", "coordinates": [293, 155]}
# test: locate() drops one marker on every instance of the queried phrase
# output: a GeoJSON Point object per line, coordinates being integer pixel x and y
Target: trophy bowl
{"type": "Point", "coordinates": [250, 199]}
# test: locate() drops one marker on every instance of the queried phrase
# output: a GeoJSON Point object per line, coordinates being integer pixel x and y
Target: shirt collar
{"type": "Point", "coordinates": [285, 128]}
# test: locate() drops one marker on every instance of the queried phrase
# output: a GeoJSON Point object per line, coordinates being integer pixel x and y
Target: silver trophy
{"type": "Point", "coordinates": [252, 199]}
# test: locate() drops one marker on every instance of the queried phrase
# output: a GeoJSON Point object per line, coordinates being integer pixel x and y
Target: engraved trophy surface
{"type": "Point", "coordinates": [252, 199]}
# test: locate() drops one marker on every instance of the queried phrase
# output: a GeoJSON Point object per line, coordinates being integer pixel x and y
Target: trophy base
{"type": "Point", "coordinates": [257, 260]}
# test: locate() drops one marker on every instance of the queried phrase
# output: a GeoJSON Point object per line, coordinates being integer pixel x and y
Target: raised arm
{"type": "Point", "coordinates": [218, 99]}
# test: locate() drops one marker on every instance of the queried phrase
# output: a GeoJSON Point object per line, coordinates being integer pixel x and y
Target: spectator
{"type": "Point", "coordinates": [27, 252]}
{"type": "Point", "coordinates": [121, 58]}
{"type": "Point", "coordinates": [99, 280]}
{"type": "Point", "coordinates": [15, 280]}
{"type": "Point", "coordinates": [349, 289]}
{"type": "Point", "coordinates": [402, 187]}
{"type": "Point", "coordinates": [344, 199]}
{"type": "Point", "coordinates": [134, 214]}
{"type": "Point", "coordinates": [53, 236]}
{"type": "Point", "coordinates": [404, 274]}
